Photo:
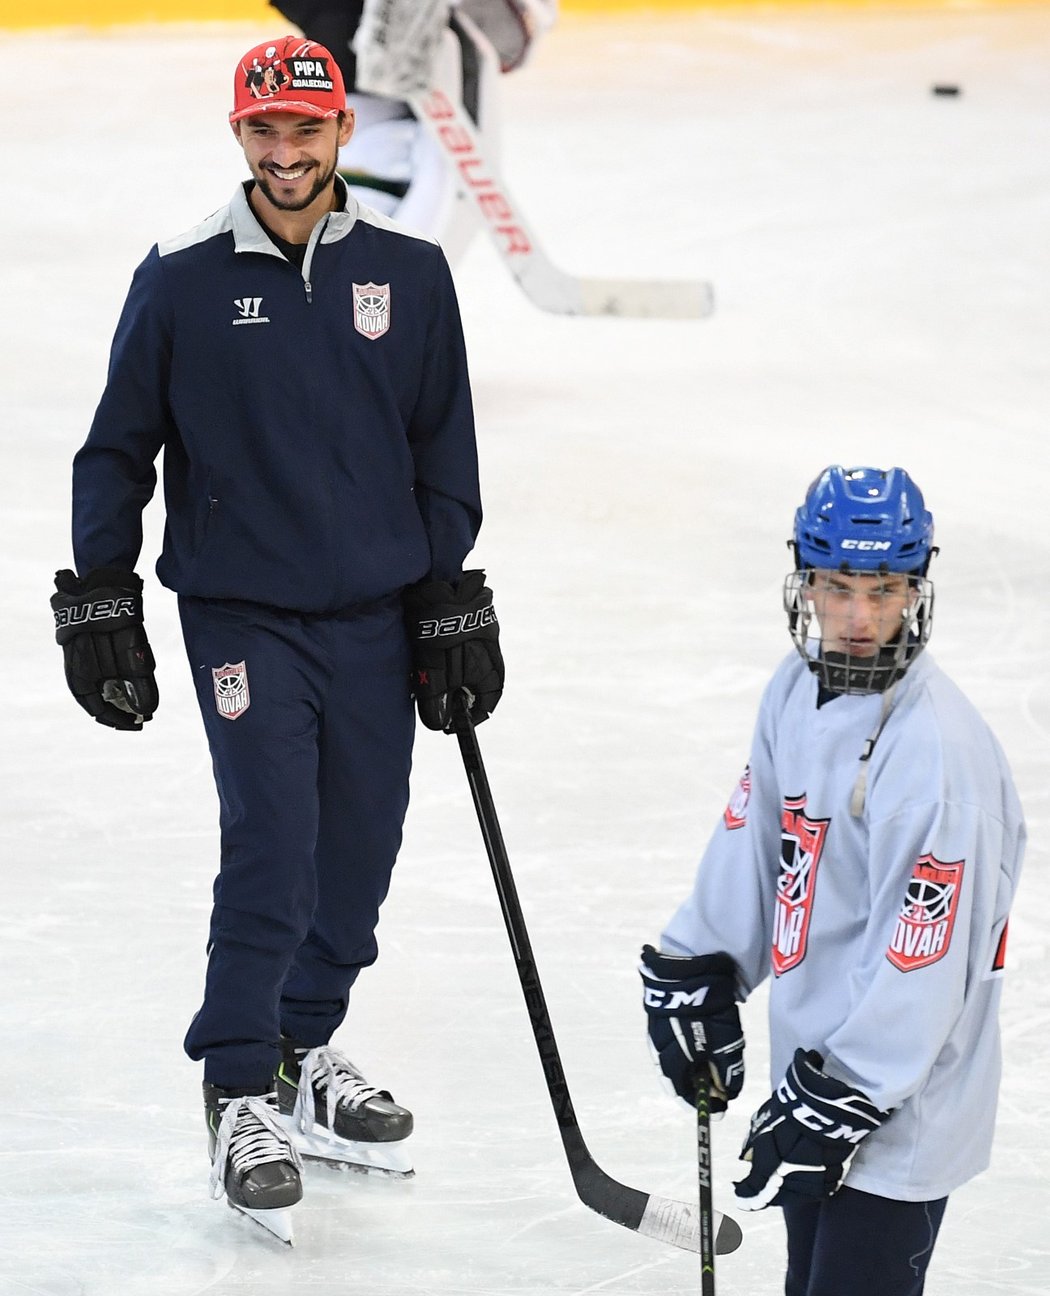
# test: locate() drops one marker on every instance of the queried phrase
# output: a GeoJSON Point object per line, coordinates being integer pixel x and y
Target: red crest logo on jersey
{"type": "Point", "coordinates": [801, 846]}
{"type": "Point", "coordinates": [927, 917]}
{"type": "Point", "coordinates": [735, 815]}
{"type": "Point", "coordinates": [231, 690]}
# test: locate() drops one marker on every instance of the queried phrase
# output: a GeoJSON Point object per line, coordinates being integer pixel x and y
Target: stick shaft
{"type": "Point", "coordinates": [703, 1162]}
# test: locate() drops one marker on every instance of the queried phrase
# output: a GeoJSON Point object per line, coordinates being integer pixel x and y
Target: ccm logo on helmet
{"type": "Point", "coordinates": [876, 545]}
{"type": "Point", "coordinates": [102, 610]}
{"type": "Point", "coordinates": [455, 625]}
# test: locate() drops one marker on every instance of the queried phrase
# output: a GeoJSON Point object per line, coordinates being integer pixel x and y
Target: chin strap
{"type": "Point", "coordinates": [860, 787]}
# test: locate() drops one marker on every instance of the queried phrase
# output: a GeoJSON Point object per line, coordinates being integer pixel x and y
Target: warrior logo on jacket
{"type": "Point", "coordinates": [371, 309]}
{"type": "Point", "coordinates": [231, 690]}
{"type": "Point", "coordinates": [801, 846]}
{"type": "Point", "coordinates": [927, 917]}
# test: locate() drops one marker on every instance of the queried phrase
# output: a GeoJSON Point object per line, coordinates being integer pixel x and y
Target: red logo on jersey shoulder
{"type": "Point", "coordinates": [927, 917]}
{"type": "Point", "coordinates": [999, 960]}
{"type": "Point", "coordinates": [801, 846]}
{"type": "Point", "coordinates": [735, 815]}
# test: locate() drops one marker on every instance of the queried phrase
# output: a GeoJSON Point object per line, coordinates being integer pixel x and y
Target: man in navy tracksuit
{"type": "Point", "coordinates": [300, 361]}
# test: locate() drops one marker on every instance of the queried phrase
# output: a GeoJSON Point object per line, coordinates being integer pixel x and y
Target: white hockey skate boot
{"type": "Point", "coordinates": [335, 1115]}
{"type": "Point", "coordinates": [253, 1160]}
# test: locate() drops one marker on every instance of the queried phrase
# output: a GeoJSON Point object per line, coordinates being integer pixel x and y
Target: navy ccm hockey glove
{"type": "Point", "coordinates": [694, 1023]}
{"type": "Point", "coordinates": [803, 1139]}
{"type": "Point", "coordinates": [454, 636]}
{"type": "Point", "coordinates": [109, 664]}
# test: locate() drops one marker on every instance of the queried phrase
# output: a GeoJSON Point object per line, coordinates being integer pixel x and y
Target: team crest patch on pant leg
{"type": "Point", "coordinates": [801, 846]}
{"type": "Point", "coordinates": [371, 309]}
{"type": "Point", "coordinates": [927, 917]}
{"type": "Point", "coordinates": [230, 682]}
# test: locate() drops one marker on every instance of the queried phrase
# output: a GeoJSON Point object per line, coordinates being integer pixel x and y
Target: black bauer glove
{"type": "Point", "coordinates": [109, 665]}
{"type": "Point", "coordinates": [803, 1139]}
{"type": "Point", "coordinates": [455, 645]}
{"type": "Point", "coordinates": [694, 1022]}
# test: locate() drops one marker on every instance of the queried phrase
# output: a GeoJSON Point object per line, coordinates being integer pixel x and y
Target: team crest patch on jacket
{"type": "Point", "coordinates": [801, 846]}
{"type": "Point", "coordinates": [371, 309]}
{"type": "Point", "coordinates": [230, 682]}
{"type": "Point", "coordinates": [927, 917]}
{"type": "Point", "coordinates": [735, 815]}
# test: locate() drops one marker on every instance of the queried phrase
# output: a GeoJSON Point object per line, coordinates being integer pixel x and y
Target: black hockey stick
{"type": "Point", "coordinates": [657, 1217]}
{"type": "Point", "coordinates": [703, 1164]}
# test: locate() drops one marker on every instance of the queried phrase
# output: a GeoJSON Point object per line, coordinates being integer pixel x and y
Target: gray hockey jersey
{"type": "Point", "coordinates": [884, 932]}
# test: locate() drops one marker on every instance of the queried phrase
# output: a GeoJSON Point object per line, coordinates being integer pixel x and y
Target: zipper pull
{"type": "Point", "coordinates": [309, 291]}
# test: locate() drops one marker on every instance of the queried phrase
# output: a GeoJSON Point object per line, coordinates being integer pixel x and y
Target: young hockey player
{"type": "Point", "coordinates": [300, 361]}
{"type": "Point", "coordinates": [462, 48]}
{"type": "Point", "coordinates": [867, 859]}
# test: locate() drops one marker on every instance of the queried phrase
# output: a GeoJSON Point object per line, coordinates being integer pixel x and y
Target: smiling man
{"type": "Point", "coordinates": [300, 361]}
{"type": "Point", "coordinates": [291, 118]}
{"type": "Point", "coordinates": [865, 864]}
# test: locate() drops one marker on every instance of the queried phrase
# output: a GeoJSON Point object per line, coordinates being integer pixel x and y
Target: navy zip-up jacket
{"type": "Point", "coordinates": [313, 458]}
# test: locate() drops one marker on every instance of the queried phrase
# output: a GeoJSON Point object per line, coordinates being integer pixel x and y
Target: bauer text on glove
{"type": "Point", "coordinates": [454, 637]}
{"type": "Point", "coordinates": [694, 1022]}
{"type": "Point", "coordinates": [108, 661]}
{"type": "Point", "coordinates": [804, 1137]}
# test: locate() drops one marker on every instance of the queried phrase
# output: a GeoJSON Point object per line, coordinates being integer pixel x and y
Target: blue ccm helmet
{"type": "Point", "coordinates": [864, 521]}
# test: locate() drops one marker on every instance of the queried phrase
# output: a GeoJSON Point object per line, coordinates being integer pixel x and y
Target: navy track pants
{"type": "Point", "coordinates": [857, 1244]}
{"type": "Point", "coordinates": [311, 749]}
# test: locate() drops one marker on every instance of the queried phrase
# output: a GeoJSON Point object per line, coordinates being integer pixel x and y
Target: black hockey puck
{"type": "Point", "coordinates": [948, 90]}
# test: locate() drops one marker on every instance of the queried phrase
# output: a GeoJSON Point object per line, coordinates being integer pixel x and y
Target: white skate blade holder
{"type": "Point", "coordinates": [345, 1154]}
{"type": "Point", "coordinates": [277, 1222]}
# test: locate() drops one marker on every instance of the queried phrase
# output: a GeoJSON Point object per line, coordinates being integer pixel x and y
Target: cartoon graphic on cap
{"type": "Point", "coordinates": [262, 81]}
{"type": "Point", "coordinates": [291, 74]}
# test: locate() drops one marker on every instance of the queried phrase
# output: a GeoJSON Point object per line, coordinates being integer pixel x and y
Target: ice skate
{"type": "Point", "coordinates": [334, 1115]}
{"type": "Point", "coordinates": [254, 1162]}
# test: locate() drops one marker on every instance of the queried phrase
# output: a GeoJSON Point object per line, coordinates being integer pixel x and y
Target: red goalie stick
{"type": "Point", "coordinates": [549, 287]}
{"type": "Point", "coordinates": [668, 1221]}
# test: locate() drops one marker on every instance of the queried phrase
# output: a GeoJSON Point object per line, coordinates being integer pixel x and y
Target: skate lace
{"type": "Point", "coordinates": [249, 1134]}
{"type": "Point", "coordinates": [339, 1080]}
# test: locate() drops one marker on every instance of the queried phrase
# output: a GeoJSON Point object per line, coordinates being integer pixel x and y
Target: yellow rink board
{"type": "Point", "coordinates": [106, 13]}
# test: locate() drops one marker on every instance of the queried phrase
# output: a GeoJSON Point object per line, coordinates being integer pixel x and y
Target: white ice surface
{"type": "Point", "coordinates": [881, 261]}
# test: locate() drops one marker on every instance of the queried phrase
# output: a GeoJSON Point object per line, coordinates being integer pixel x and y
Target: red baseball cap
{"type": "Point", "coordinates": [291, 74]}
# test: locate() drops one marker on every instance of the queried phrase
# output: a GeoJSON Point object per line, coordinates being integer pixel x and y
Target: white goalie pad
{"type": "Point", "coordinates": [396, 44]}
{"type": "Point", "coordinates": [391, 144]}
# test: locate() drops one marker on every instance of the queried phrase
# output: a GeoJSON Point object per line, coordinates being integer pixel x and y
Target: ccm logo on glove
{"type": "Point", "coordinates": [672, 1000]}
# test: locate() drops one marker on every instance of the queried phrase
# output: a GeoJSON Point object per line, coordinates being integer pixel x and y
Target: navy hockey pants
{"type": "Point", "coordinates": [856, 1244]}
{"type": "Point", "coordinates": [311, 749]}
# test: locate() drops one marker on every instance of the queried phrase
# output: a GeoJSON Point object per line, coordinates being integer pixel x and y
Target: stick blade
{"type": "Point", "coordinates": [678, 1224]}
{"type": "Point", "coordinates": [553, 289]}
{"type": "Point", "coordinates": [647, 298]}
{"type": "Point", "coordinates": [660, 1218]}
